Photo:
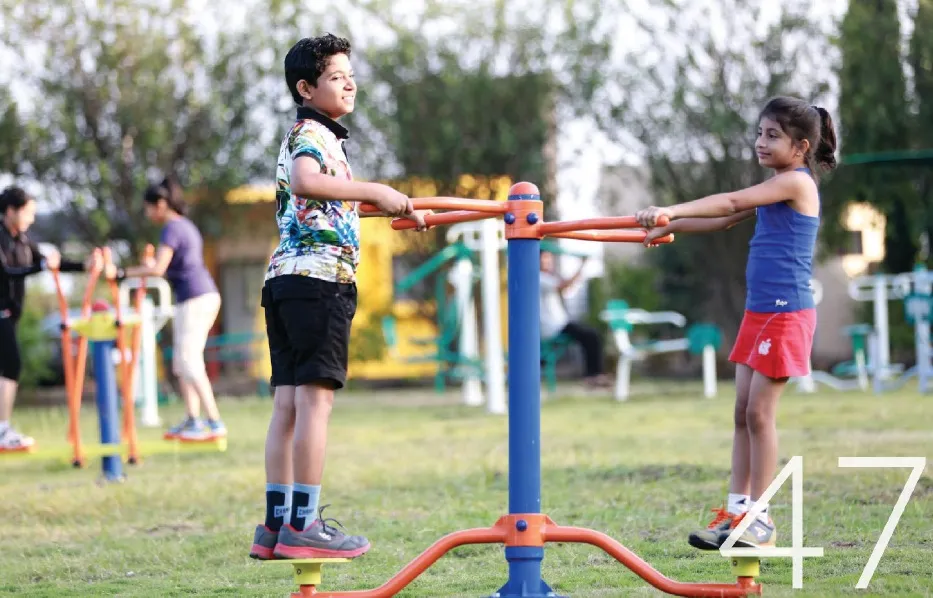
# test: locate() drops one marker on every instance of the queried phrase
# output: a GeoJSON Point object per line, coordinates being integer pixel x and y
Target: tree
{"type": "Point", "coordinates": [691, 109]}
{"type": "Point", "coordinates": [921, 61]}
{"type": "Point", "coordinates": [127, 91]}
{"type": "Point", "coordinates": [875, 117]}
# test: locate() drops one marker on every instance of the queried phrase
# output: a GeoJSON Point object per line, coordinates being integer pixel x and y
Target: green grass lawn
{"type": "Point", "coordinates": [406, 469]}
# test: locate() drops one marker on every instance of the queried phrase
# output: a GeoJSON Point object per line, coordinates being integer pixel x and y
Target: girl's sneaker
{"type": "Point", "coordinates": [760, 534]}
{"type": "Point", "coordinates": [11, 440]}
{"type": "Point", "coordinates": [194, 430]}
{"type": "Point", "coordinates": [216, 428]}
{"type": "Point", "coordinates": [175, 431]}
{"type": "Point", "coordinates": [711, 538]}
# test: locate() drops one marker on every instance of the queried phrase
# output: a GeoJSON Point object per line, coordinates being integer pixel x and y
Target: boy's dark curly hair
{"type": "Point", "coordinates": [308, 59]}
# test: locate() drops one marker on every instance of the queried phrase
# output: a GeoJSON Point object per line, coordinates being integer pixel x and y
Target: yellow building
{"type": "Point", "coordinates": [239, 260]}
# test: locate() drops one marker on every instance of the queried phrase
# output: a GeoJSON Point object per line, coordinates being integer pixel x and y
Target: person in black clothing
{"type": "Point", "coordinates": [19, 257]}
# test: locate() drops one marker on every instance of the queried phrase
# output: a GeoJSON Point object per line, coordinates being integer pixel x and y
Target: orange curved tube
{"type": "Point", "coordinates": [485, 535]}
{"type": "Point", "coordinates": [448, 203]}
{"type": "Point", "coordinates": [549, 532]}
{"type": "Point", "coordinates": [80, 365]}
{"type": "Point", "coordinates": [437, 219]}
{"type": "Point", "coordinates": [613, 237]}
{"type": "Point", "coordinates": [129, 382]}
{"type": "Point", "coordinates": [549, 228]}
{"type": "Point", "coordinates": [579, 535]}
{"type": "Point", "coordinates": [67, 356]}
{"type": "Point", "coordinates": [129, 430]}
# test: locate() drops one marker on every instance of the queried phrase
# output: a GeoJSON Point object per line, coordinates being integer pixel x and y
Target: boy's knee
{"type": "Point", "coordinates": [318, 396]}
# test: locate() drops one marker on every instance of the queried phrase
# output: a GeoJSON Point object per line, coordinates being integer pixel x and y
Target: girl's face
{"type": "Point", "coordinates": [156, 212]}
{"type": "Point", "coordinates": [19, 220]}
{"type": "Point", "coordinates": [776, 149]}
{"type": "Point", "coordinates": [335, 93]}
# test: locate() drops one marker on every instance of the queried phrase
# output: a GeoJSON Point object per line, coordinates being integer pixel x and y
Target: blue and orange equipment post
{"type": "Point", "coordinates": [525, 530]}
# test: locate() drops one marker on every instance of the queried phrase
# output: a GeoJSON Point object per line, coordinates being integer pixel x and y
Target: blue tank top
{"type": "Point", "coordinates": [780, 259]}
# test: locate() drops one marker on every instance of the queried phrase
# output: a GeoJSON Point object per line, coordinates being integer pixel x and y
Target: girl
{"type": "Point", "coordinates": [796, 140]}
{"type": "Point", "coordinates": [179, 258]}
{"type": "Point", "coordinates": [19, 257]}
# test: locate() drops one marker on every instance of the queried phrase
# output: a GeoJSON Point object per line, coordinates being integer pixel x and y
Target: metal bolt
{"type": "Point", "coordinates": [521, 525]}
{"type": "Point", "coordinates": [532, 218]}
{"type": "Point", "coordinates": [509, 218]}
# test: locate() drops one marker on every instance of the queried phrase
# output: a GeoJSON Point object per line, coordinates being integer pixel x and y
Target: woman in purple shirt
{"type": "Point", "coordinates": [180, 259]}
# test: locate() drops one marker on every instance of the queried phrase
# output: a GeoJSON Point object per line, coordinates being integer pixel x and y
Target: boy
{"type": "Point", "coordinates": [310, 298]}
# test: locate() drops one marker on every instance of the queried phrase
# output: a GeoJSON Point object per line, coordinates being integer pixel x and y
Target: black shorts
{"type": "Point", "coordinates": [10, 363]}
{"type": "Point", "coordinates": [308, 325]}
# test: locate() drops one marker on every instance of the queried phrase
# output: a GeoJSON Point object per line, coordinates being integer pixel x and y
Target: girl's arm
{"type": "Point", "coordinates": [698, 225]}
{"type": "Point", "coordinates": [156, 267]}
{"type": "Point", "coordinates": [782, 187]}
{"type": "Point", "coordinates": [787, 186]}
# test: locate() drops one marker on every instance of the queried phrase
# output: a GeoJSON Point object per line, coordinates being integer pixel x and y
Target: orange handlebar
{"type": "Point", "coordinates": [447, 203]}
{"type": "Point", "coordinates": [611, 223]}
{"type": "Point", "coordinates": [621, 236]}
{"type": "Point", "coordinates": [437, 219]}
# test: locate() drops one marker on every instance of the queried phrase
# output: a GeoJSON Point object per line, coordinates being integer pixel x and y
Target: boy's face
{"type": "Point", "coordinates": [335, 93]}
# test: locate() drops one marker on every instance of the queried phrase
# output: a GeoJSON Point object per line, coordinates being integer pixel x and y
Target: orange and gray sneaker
{"type": "Point", "coordinates": [759, 534]}
{"type": "Point", "coordinates": [711, 538]}
{"type": "Point", "coordinates": [264, 541]}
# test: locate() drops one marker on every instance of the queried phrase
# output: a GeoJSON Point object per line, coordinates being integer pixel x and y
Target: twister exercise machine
{"type": "Point", "coordinates": [525, 530]}
{"type": "Point", "coordinates": [106, 330]}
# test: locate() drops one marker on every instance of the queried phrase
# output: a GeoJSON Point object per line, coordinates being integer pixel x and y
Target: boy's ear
{"type": "Point", "coordinates": [305, 89]}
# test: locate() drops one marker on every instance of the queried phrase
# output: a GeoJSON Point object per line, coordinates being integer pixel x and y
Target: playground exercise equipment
{"type": "Point", "coordinates": [916, 289]}
{"type": "Point", "coordinates": [525, 530]}
{"type": "Point", "coordinates": [105, 331]}
{"type": "Point", "coordinates": [152, 316]}
{"type": "Point", "coordinates": [879, 289]}
{"type": "Point", "coordinates": [701, 339]}
{"type": "Point", "coordinates": [845, 376]}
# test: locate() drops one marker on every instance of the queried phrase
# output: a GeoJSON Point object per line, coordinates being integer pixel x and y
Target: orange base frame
{"type": "Point", "coordinates": [535, 530]}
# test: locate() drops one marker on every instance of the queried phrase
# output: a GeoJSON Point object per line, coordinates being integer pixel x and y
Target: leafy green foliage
{"type": "Point", "coordinates": [874, 117]}
{"type": "Point", "coordinates": [698, 138]}
{"type": "Point", "coordinates": [128, 90]}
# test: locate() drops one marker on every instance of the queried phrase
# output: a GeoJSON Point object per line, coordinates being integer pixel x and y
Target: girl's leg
{"type": "Point", "coordinates": [760, 418]}
{"type": "Point", "coordinates": [208, 311]}
{"type": "Point", "coordinates": [738, 499]}
{"type": "Point", "coordinates": [740, 481]}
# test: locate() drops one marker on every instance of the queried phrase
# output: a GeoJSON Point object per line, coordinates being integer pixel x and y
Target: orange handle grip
{"type": "Point", "coordinates": [436, 219]}
{"type": "Point", "coordinates": [622, 236]}
{"type": "Point", "coordinates": [447, 203]}
{"type": "Point", "coordinates": [616, 222]}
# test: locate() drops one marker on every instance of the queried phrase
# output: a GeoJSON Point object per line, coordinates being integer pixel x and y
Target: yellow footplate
{"type": "Point", "coordinates": [746, 566]}
{"type": "Point", "coordinates": [308, 572]}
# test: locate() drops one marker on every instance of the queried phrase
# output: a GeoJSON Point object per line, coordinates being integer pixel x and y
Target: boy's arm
{"type": "Point", "coordinates": [307, 180]}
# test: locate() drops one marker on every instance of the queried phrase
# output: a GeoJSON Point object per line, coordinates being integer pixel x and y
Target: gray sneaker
{"type": "Point", "coordinates": [758, 535]}
{"type": "Point", "coordinates": [711, 538]}
{"type": "Point", "coordinates": [318, 540]}
{"type": "Point", "coordinates": [264, 541]}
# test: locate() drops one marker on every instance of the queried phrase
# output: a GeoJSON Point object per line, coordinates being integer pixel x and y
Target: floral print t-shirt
{"type": "Point", "coordinates": [318, 239]}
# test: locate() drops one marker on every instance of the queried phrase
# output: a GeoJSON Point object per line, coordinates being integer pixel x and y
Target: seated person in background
{"type": "Point", "coordinates": [555, 320]}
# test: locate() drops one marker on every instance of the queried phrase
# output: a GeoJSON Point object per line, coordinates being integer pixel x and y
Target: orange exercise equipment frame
{"type": "Point", "coordinates": [75, 364]}
{"type": "Point", "coordinates": [525, 533]}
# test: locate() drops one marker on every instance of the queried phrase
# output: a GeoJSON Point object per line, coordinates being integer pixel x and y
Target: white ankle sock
{"type": "Point", "coordinates": [738, 503]}
{"type": "Point", "coordinates": [763, 516]}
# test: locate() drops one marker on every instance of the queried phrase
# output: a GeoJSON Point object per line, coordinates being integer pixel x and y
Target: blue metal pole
{"type": "Point", "coordinates": [524, 407]}
{"type": "Point", "coordinates": [107, 416]}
